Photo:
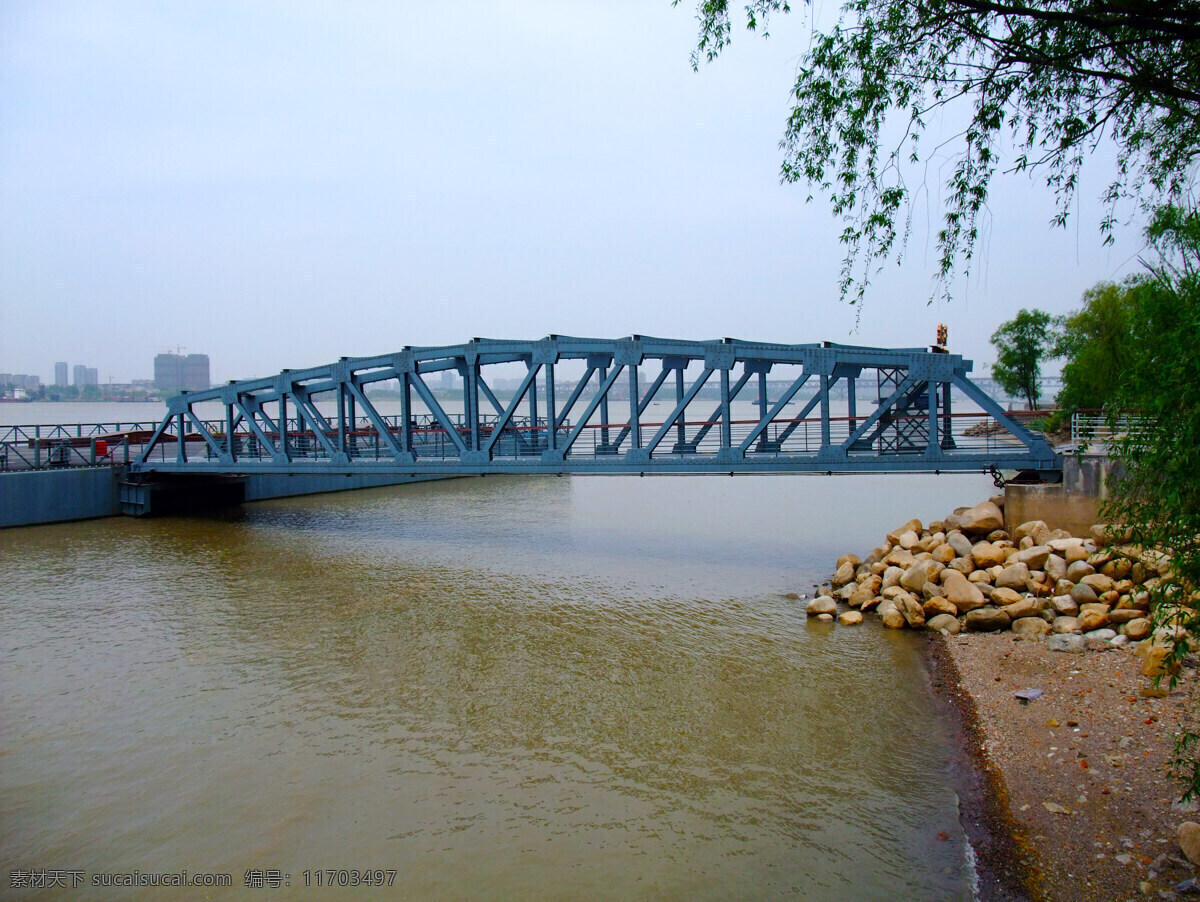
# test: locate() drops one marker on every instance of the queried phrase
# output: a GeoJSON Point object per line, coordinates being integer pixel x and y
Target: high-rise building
{"type": "Point", "coordinates": [176, 372]}
{"type": "Point", "coordinates": [85, 375]}
{"type": "Point", "coordinates": [60, 374]}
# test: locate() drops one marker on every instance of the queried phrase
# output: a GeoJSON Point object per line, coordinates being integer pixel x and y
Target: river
{"type": "Point", "coordinates": [501, 688]}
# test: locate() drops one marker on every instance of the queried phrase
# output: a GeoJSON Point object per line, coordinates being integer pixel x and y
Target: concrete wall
{"type": "Point", "coordinates": [51, 496]}
{"type": "Point", "coordinates": [1074, 505]}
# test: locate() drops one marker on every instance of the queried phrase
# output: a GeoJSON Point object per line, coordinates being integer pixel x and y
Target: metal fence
{"type": "Point", "coordinates": [1091, 428]}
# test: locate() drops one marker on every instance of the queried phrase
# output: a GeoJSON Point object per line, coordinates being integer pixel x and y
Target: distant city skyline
{"type": "Point", "coordinates": [64, 373]}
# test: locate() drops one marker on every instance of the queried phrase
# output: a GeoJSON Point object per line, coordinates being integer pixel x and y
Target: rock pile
{"type": "Point", "coordinates": [968, 573]}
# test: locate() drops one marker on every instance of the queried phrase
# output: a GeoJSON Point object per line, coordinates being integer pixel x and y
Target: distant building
{"type": "Point", "coordinates": [60, 374]}
{"type": "Point", "coordinates": [176, 372]}
{"type": "Point", "coordinates": [5, 379]}
{"type": "Point", "coordinates": [85, 375]}
{"type": "Point", "coordinates": [33, 383]}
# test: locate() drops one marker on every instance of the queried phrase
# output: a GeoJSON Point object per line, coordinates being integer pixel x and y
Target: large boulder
{"type": "Point", "coordinates": [982, 519]}
{"type": "Point", "coordinates": [891, 577]}
{"type": "Point", "coordinates": [1014, 576]}
{"type": "Point", "coordinates": [1075, 553]}
{"type": "Point", "coordinates": [961, 592]}
{"type": "Point", "coordinates": [899, 557]}
{"type": "Point", "coordinates": [985, 554]}
{"type": "Point", "coordinates": [987, 620]}
{"type": "Point", "coordinates": [911, 526]}
{"type": "Point", "coordinates": [1065, 605]}
{"type": "Point", "coordinates": [821, 605]}
{"type": "Point", "coordinates": [867, 589]}
{"type": "Point", "coordinates": [853, 559]}
{"type": "Point", "coordinates": [860, 596]}
{"type": "Point", "coordinates": [1188, 835]}
{"type": "Point", "coordinates": [1084, 594]}
{"type": "Point", "coordinates": [1004, 596]}
{"type": "Point", "coordinates": [1026, 606]}
{"type": "Point", "coordinates": [893, 619]}
{"type": "Point", "coordinates": [1064, 625]}
{"type": "Point", "coordinates": [1030, 627]}
{"type": "Point", "coordinates": [1125, 615]}
{"type": "Point", "coordinates": [1067, 642]}
{"type": "Point", "coordinates": [1035, 557]}
{"type": "Point", "coordinates": [1078, 570]}
{"type": "Point", "coordinates": [1055, 567]}
{"type": "Point", "coordinates": [918, 574]}
{"type": "Point", "coordinates": [1091, 620]}
{"type": "Point", "coordinates": [944, 554]}
{"type": "Point", "coordinates": [939, 605]}
{"type": "Point", "coordinates": [850, 618]}
{"type": "Point", "coordinates": [944, 622]}
{"type": "Point", "coordinates": [932, 590]}
{"type": "Point", "coordinates": [1032, 528]}
{"type": "Point", "coordinates": [844, 574]}
{"type": "Point", "coordinates": [1061, 545]}
{"type": "Point", "coordinates": [964, 565]}
{"type": "Point", "coordinates": [1137, 630]}
{"type": "Point", "coordinates": [911, 610]}
{"type": "Point", "coordinates": [960, 543]}
{"type": "Point", "coordinates": [1099, 582]}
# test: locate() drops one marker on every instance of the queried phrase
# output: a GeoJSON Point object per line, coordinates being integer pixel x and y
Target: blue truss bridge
{"type": "Point", "coordinates": [635, 405]}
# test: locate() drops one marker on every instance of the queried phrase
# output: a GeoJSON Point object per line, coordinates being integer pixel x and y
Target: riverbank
{"type": "Point", "coordinates": [1041, 645]}
{"type": "Point", "coordinates": [1082, 769]}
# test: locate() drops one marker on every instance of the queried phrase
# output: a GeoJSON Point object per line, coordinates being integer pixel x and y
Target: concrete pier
{"type": "Point", "coordinates": [1074, 504]}
{"type": "Point", "coordinates": [30, 497]}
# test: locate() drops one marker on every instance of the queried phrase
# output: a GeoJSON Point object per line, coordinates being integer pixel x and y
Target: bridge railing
{"type": "Point", "coordinates": [1094, 429]}
{"type": "Point", "coordinates": [967, 432]}
{"type": "Point", "coordinates": [64, 451]}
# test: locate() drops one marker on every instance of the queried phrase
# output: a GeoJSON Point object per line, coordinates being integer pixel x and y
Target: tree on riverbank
{"type": "Point", "coordinates": [1051, 79]}
{"type": "Point", "coordinates": [1158, 499]}
{"type": "Point", "coordinates": [1095, 342]}
{"type": "Point", "coordinates": [1021, 345]}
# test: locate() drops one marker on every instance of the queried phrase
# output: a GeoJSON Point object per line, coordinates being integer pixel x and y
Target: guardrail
{"type": "Point", "coordinates": [63, 452]}
{"type": "Point", "coordinates": [1091, 427]}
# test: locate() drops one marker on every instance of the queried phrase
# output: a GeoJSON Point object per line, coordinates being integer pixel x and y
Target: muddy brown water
{"type": "Point", "coordinates": [525, 688]}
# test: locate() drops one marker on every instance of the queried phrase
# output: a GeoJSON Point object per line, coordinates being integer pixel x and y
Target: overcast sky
{"type": "Point", "coordinates": [280, 184]}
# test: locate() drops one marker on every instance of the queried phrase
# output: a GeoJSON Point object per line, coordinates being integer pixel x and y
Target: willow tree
{"type": "Point", "coordinates": [1039, 84]}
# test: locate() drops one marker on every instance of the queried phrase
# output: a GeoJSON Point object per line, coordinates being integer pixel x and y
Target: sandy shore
{"type": "Point", "coordinates": [1073, 800]}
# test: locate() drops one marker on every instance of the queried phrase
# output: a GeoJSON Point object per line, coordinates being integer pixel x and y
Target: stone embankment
{"type": "Point", "coordinates": [968, 572]}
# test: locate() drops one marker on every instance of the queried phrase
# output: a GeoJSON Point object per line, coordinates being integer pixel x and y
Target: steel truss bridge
{"type": "Point", "coordinates": [896, 416]}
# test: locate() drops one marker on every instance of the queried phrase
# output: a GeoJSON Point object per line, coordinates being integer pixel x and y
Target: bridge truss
{"type": "Point", "coordinates": [633, 405]}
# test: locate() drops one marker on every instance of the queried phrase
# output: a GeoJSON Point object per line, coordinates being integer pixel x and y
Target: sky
{"type": "Point", "coordinates": [282, 184]}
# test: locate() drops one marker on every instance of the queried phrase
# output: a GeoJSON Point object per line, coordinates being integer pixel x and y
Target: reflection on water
{"type": "Point", "coordinates": [499, 688]}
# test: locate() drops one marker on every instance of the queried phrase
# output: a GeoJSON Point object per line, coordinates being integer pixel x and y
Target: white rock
{"type": "Point", "coordinates": [822, 605]}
